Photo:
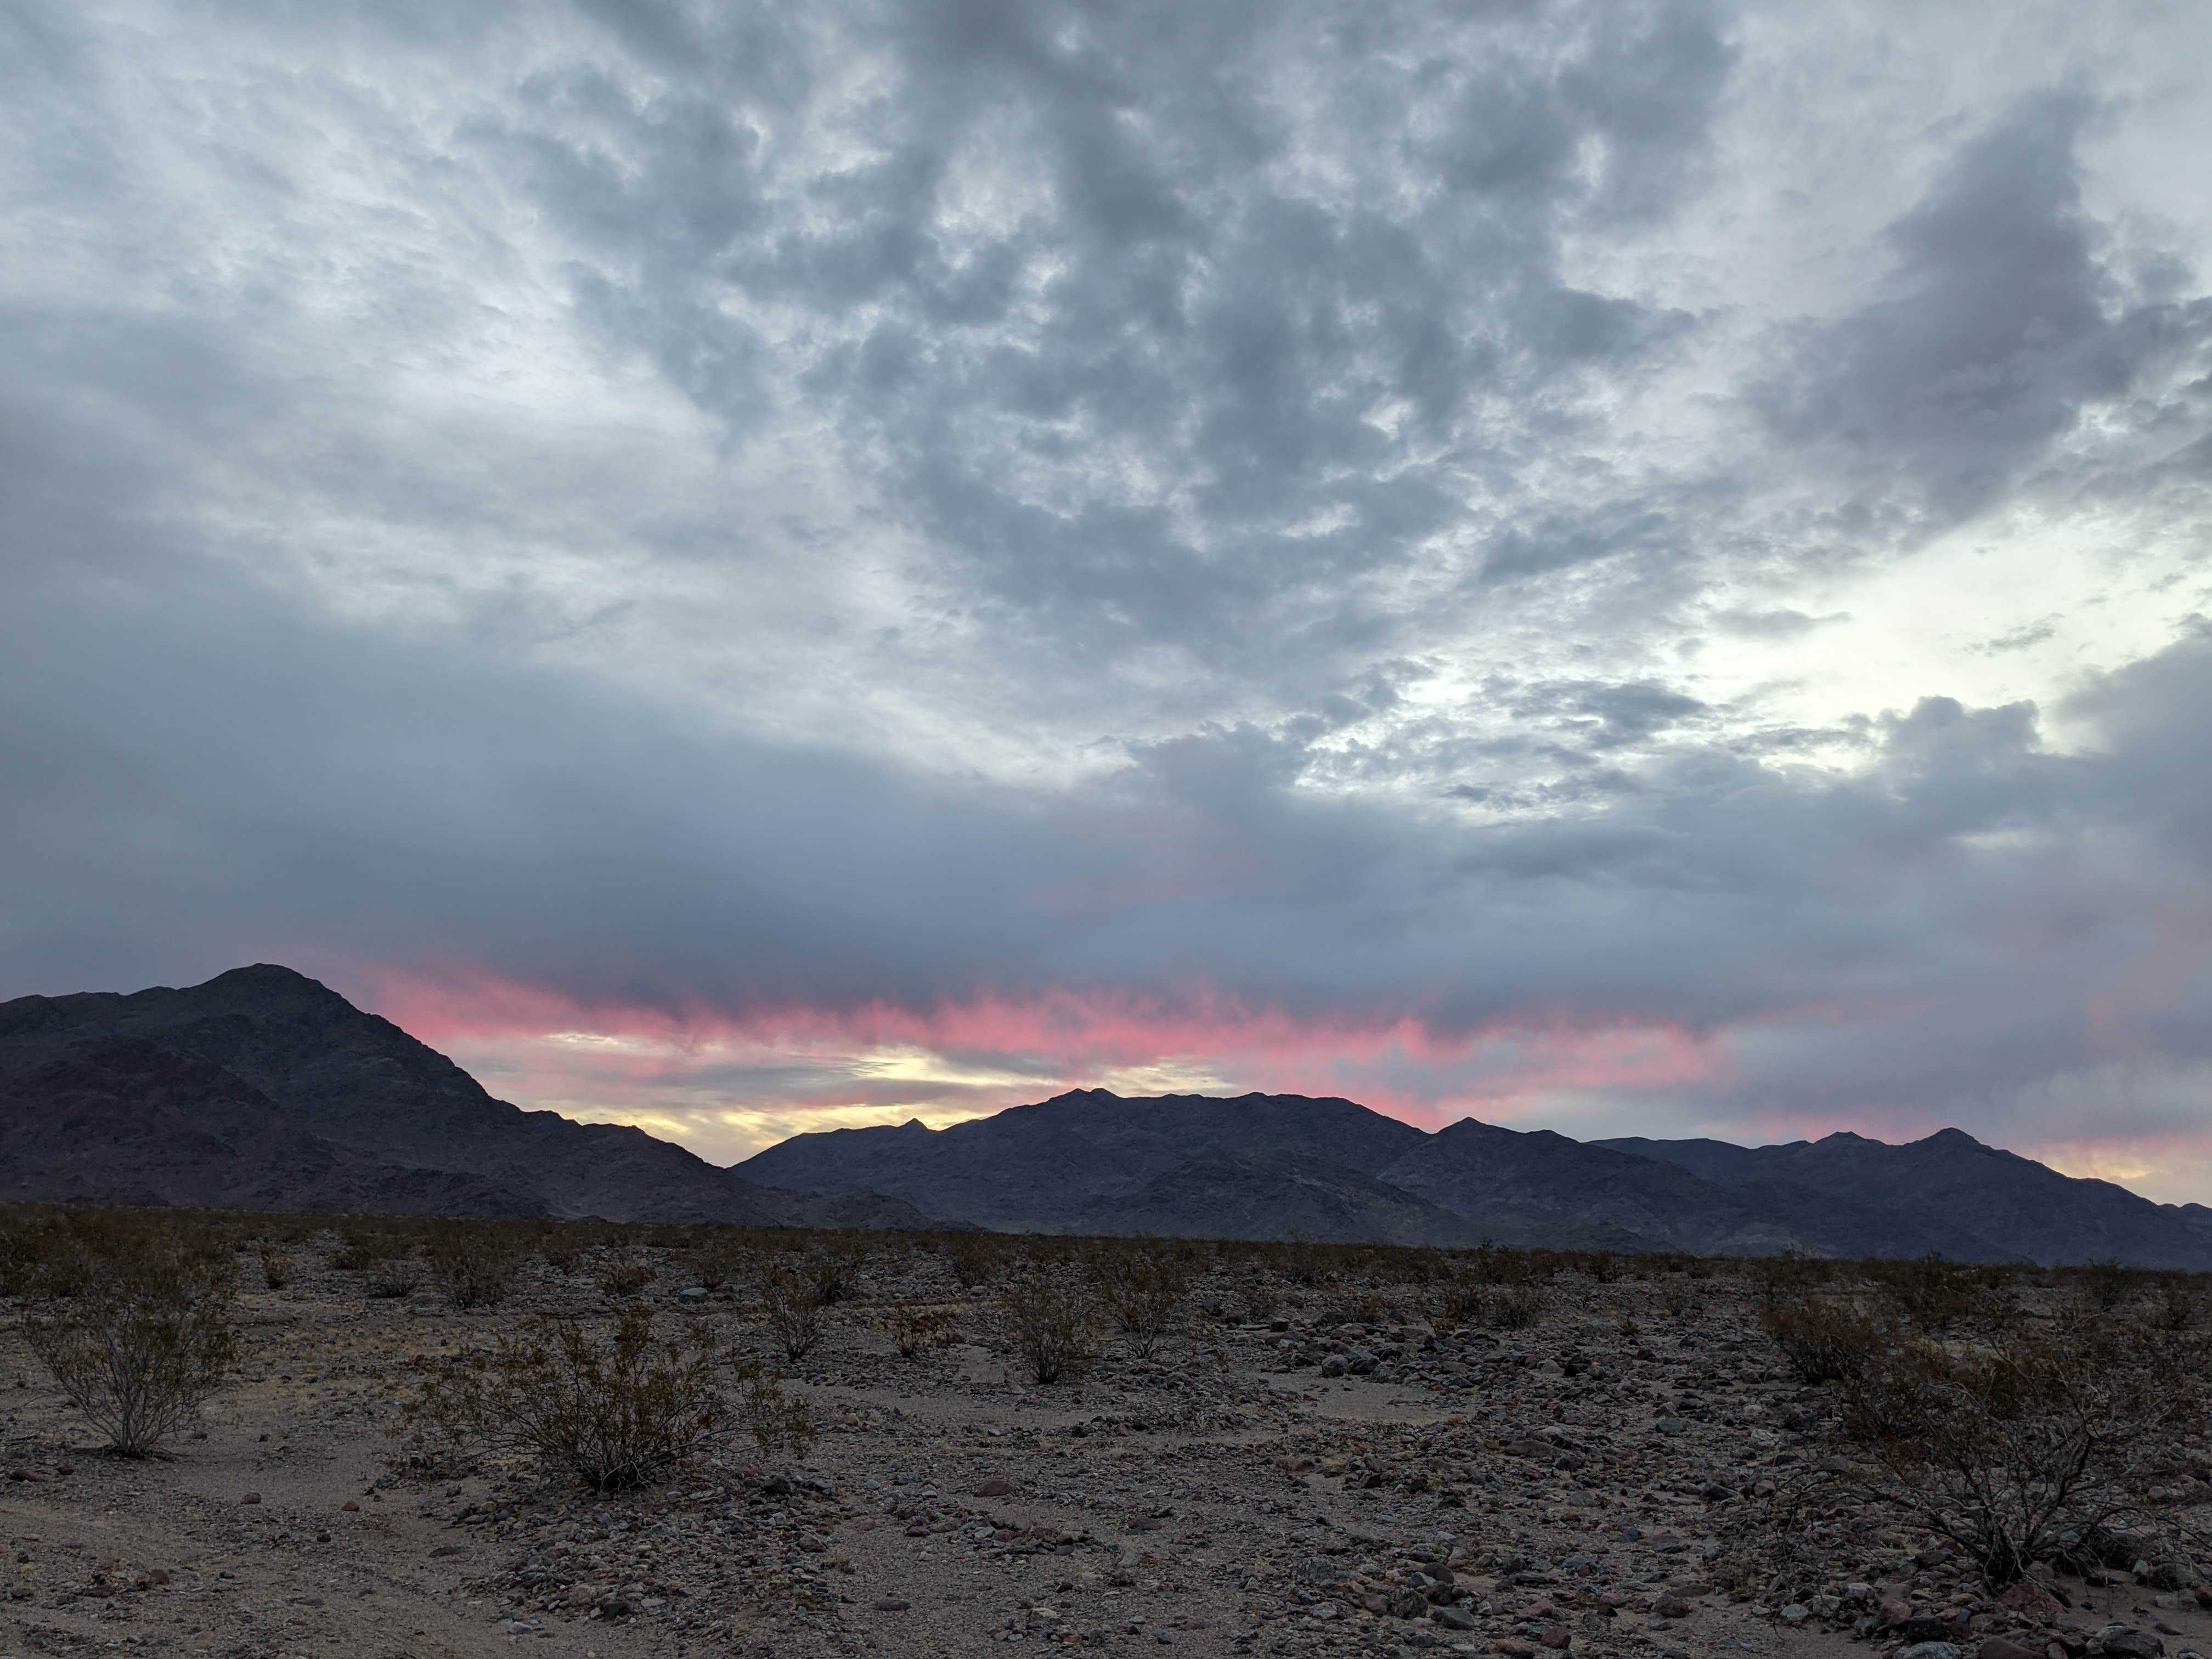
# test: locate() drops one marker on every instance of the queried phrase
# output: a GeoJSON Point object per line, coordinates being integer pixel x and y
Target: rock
{"type": "Point", "coordinates": [1557, 1637]}
{"type": "Point", "coordinates": [1668, 1605]}
{"type": "Point", "coordinates": [1669, 1425]}
{"type": "Point", "coordinates": [995, 1488]}
{"type": "Point", "coordinates": [1452, 1618]}
{"type": "Point", "coordinates": [1315, 1570]}
{"type": "Point", "coordinates": [1999, 1647]}
{"type": "Point", "coordinates": [350, 1507]}
{"type": "Point", "coordinates": [2031, 1599]}
{"type": "Point", "coordinates": [1361, 1361]}
{"type": "Point", "coordinates": [2120, 1642]}
{"type": "Point", "coordinates": [251, 1497]}
{"type": "Point", "coordinates": [890, 1604]}
{"type": "Point", "coordinates": [692, 1293]}
{"type": "Point", "coordinates": [1334, 1365]}
{"type": "Point", "coordinates": [1931, 1650]}
{"type": "Point", "coordinates": [2166, 1575]}
{"type": "Point", "coordinates": [1408, 1604]}
{"type": "Point", "coordinates": [1796, 1615]}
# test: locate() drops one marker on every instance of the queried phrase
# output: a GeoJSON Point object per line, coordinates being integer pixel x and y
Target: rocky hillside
{"type": "Point", "coordinates": [266, 1090]}
{"type": "Point", "coordinates": [1289, 1166]}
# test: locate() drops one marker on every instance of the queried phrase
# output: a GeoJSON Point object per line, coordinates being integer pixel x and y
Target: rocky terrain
{"type": "Point", "coordinates": [1324, 1454]}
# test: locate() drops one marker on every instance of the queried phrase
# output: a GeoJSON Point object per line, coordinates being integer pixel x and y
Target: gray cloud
{"type": "Point", "coordinates": [1353, 514]}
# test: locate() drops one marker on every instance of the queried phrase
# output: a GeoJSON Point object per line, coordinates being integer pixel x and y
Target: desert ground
{"type": "Point", "coordinates": [1329, 1451]}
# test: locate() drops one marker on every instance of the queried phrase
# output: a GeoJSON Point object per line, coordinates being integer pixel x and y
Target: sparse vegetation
{"type": "Point", "coordinates": [613, 1412]}
{"type": "Point", "coordinates": [791, 1307]}
{"type": "Point", "coordinates": [133, 1315]}
{"type": "Point", "coordinates": [1052, 1323]}
{"type": "Point", "coordinates": [1141, 1286]}
{"type": "Point", "coordinates": [473, 1266]}
{"type": "Point", "coordinates": [2019, 1450]}
{"type": "Point", "coordinates": [915, 1329]}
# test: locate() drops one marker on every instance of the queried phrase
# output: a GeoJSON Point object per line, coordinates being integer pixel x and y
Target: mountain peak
{"type": "Point", "coordinates": [269, 979]}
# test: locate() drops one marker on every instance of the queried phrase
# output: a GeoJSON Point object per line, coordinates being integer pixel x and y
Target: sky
{"type": "Point", "coordinates": [1625, 568]}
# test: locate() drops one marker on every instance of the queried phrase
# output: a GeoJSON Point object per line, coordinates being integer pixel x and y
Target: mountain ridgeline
{"type": "Point", "coordinates": [264, 1090]}
{"type": "Point", "coordinates": [1287, 1166]}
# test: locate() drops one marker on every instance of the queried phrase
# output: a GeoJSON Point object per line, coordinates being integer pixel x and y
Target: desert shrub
{"type": "Point", "coordinates": [720, 1259]}
{"type": "Point", "coordinates": [2014, 1450]}
{"type": "Point", "coordinates": [975, 1258]}
{"type": "Point", "coordinates": [1490, 1265]}
{"type": "Point", "coordinates": [1933, 1294]}
{"type": "Point", "coordinates": [792, 1310]}
{"type": "Point", "coordinates": [2181, 1302]}
{"type": "Point", "coordinates": [781, 1426]}
{"type": "Point", "coordinates": [1259, 1295]}
{"type": "Point", "coordinates": [614, 1413]}
{"type": "Point", "coordinates": [1052, 1323]}
{"type": "Point", "coordinates": [915, 1330]}
{"type": "Point", "coordinates": [625, 1280]}
{"type": "Point", "coordinates": [1513, 1308]}
{"type": "Point", "coordinates": [2107, 1286]}
{"type": "Point", "coordinates": [134, 1321]}
{"type": "Point", "coordinates": [1452, 1303]}
{"type": "Point", "coordinates": [835, 1271]}
{"type": "Point", "coordinates": [276, 1270]}
{"type": "Point", "coordinates": [1825, 1339]}
{"type": "Point", "coordinates": [474, 1265]}
{"type": "Point", "coordinates": [1141, 1289]}
{"type": "Point", "coordinates": [1789, 1274]}
{"type": "Point", "coordinates": [395, 1277]}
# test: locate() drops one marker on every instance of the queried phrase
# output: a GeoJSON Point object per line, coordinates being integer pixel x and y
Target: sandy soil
{"type": "Point", "coordinates": [1608, 1482]}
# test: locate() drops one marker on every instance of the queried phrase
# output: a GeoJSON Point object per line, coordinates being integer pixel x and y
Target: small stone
{"type": "Point", "coordinates": [350, 1507]}
{"type": "Point", "coordinates": [1930, 1650]}
{"type": "Point", "coordinates": [251, 1497]}
{"type": "Point", "coordinates": [1452, 1619]}
{"type": "Point", "coordinates": [1999, 1647]}
{"type": "Point", "coordinates": [1796, 1615]}
{"type": "Point", "coordinates": [890, 1604]}
{"type": "Point", "coordinates": [995, 1488]}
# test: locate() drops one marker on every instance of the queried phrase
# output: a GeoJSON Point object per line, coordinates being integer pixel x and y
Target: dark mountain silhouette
{"type": "Point", "coordinates": [1276, 1195]}
{"type": "Point", "coordinates": [1193, 1166]}
{"type": "Point", "coordinates": [135, 1123]}
{"type": "Point", "coordinates": [266, 1040]}
{"type": "Point", "coordinates": [2018, 1208]}
{"type": "Point", "coordinates": [1039, 1168]}
{"type": "Point", "coordinates": [264, 1090]}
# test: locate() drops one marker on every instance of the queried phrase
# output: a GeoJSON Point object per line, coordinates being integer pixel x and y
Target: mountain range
{"type": "Point", "coordinates": [263, 1089]}
{"type": "Point", "coordinates": [266, 1090]}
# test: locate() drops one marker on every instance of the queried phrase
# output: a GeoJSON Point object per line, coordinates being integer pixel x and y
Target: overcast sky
{"type": "Point", "coordinates": [1625, 568]}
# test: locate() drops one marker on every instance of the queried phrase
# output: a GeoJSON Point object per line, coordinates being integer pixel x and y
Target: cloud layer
{"type": "Point", "coordinates": [1631, 568]}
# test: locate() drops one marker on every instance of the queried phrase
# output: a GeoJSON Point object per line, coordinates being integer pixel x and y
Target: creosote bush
{"type": "Point", "coordinates": [133, 1317]}
{"type": "Point", "coordinates": [1142, 1286]}
{"type": "Point", "coordinates": [1052, 1323]}
{"type": "Point", "coordinates": [1825, 1339]}
{"type": "Point", "coordinates": [473, 1263]}
{"type": "Point", "coordinates": [625, 1280]}
{"type": "Point", "coordinates": [614, 1412]}
{"type": "Point", "coordinates": [781, 1426]}
{"type": "Point", "coordinates": [2019, 1450]}
{"type": "Point", "coordinates": [915, 1330]}
{"type": "Point", "coordinates": [791, 1307]}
